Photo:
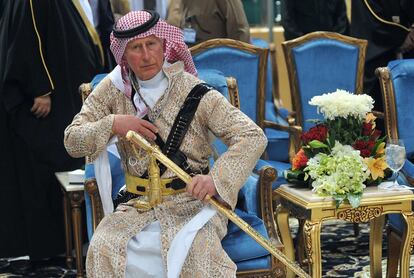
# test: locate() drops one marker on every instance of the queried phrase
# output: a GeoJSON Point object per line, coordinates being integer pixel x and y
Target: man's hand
{"type": "Point", "coordinates": [124, 123]}
{"type": "Point", "coordinates": [41, 106]}
{"type": "Point", "coordinates": [201, 186]}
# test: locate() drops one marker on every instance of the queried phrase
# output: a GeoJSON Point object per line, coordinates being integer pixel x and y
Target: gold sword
{"type": "Point", "coordinates": [154, 151]}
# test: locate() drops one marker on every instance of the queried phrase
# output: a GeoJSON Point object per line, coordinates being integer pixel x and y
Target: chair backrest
{"type": "Point", "coordinates": [321, 62]}
{"type": "Point", "coordinates": [397, 86]}
{"type": "Point", "coordinates": [272, 78]}
{"type": "Point", "coordinates": [245, 62]}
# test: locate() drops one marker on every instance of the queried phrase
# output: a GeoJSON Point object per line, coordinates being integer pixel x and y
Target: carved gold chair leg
{"type": "Point", "coordinates": [375, 245]}
{"type": "Point", "coordinates": [394, 251]}
{"type": "Point", "coordinates": [300, 244]}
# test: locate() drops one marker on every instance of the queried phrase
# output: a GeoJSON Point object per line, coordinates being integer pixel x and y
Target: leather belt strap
{"type": "Point", "coordinates": [180, 127]}
{"type": "Point", "coordinates": [140, 186]}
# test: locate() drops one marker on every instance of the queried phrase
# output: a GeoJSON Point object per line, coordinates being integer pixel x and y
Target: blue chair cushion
{"type": "Point", "coordinates": [396, 222]}
{"type": "Point", "coordinates": [98, 78]}
{"type": "Point", "coordinates": [216, 79]}
{"type": "Point", "coordinates": [277, 145]}
{"type": "Point", "coordinates": [234, 62]}
{"type": "Point", "coordinates": [271, 115]}
{"type": "Point", "coordinates": [247, 199]}
{"type": "Point", "coordinates": [408, 168]}
{"type": "Point", "coordinates": [254, 264]}
{"type": "Point", "coordinates": [281, 167]}
{"type": "Point", "coordinates": [402, 76]}
{"type": "Point", "coordinates": [240, 246]}
{"type": "Point", "coordinates": [118, 180]}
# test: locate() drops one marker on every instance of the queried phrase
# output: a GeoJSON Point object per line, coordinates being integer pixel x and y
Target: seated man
{"type": "Point", "coordinates": [154, 76]}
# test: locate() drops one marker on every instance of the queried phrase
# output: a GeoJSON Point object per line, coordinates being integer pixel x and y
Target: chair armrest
{"type": "Point", "coordinates": [291, 119]}
{"type": "Point", "coordinates": [378, 114]}
{"type": "Point", "coordinates": [295, 132]}
{"type": "Point", "coordinates": [291, 128]}
{"type": "Point", "coordinates": [91, 187]}
{"type": "Point", "coordinates": [267, 175]}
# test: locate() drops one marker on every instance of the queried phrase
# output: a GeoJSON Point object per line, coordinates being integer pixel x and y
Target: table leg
{"type": "Point", "coordinates": [408, 242]}
{"type": "Point", "coordinates": [76, 199]}
{"type": "Point", "coordinates": [68, 231]}
{"type": "Point", "coordinates": [282, 220]}
{"type": "Point", "coordinates": [312, 238]}
{"type": "Point", "coordinates": [375, 245]}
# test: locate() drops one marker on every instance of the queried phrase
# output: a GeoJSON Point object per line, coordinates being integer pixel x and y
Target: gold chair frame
{"type": "Point", "coordinates": [266, 177]}
{"type": "Point", "coordinates": [291, 65]}
{"type": "Point", "coordinates": [391, 130]}
{"type": "Point", "coordinates": [295, 118]}
{"type": "Point", "coordinates": [390, 112]}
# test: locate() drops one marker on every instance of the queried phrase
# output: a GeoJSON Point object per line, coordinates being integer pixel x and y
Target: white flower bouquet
{"type": "Point", "coordinates": [343, 104]}
{"type": "Point", "coordinates": [344, 152]}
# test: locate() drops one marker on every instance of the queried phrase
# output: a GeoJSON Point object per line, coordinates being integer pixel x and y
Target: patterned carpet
{"type": "Point", "coordinates": [343, 255]}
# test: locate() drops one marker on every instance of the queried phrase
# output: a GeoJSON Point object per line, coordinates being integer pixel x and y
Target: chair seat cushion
{"type": "Point", "coordinates": [277, 145]}
{"type": "Point", "coordinates": [239, 245]}
{"type": "Point", "coordinates": [254, 264]}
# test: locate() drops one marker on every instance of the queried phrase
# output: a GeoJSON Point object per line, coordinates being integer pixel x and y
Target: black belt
{"type": "Point", "coordinates": [176, 184]}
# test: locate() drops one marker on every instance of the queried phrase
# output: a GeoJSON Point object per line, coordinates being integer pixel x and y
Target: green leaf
{"type": "Point", "coordinates": [316, 144]}
{"type": "Point", "coordinates": [339, 199]}
{"type": "Point", "coordinates": [354, 199]}
{"type": "Point", "coordinates": [296, 177]}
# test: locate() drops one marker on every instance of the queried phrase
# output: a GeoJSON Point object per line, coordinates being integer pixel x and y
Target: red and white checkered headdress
{"type": "Point", "coordinates": [174, 47]}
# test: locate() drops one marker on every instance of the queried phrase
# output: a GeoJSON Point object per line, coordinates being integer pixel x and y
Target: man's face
{"type": "Point", "coordinates": [145, 56]}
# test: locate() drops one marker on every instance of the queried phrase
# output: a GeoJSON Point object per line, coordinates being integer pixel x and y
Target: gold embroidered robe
{"type": "Point", "coordinates": [89, 133]}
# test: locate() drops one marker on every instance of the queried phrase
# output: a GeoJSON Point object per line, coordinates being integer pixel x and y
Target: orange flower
{"type": "Point", "coordinates": [381, 149]}
{"type": "Point", "coordinates": [370, 118]}
{"type": "Point", "coordinates": [300, 160]}
{"type": "Point", "coordinates": [376, 166]}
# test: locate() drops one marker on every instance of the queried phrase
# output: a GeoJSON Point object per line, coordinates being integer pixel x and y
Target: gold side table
{"type": "Point", "coordinates": [72, 201]}
{"type": "Point", "coordinates": [303, 204]}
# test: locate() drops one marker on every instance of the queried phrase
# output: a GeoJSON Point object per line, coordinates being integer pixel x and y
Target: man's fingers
{"type": "Point", "coordinates": [147, 133]}
{"type": "Point", "coordinates": [198, 188]}
{"type": "Point", "coordinates": [34, 108]}
{"type": "Point", "coordinates": [149, 126]}
{"type": "Point", "coordinates": [202, 195]}
{"type": "Point", "coordinates": [191, 185]}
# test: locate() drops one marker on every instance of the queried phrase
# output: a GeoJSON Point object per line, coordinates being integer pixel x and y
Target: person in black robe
{"type": "Point", "coordinates": [103, 18]}
{"type": "Point", "coordinates": [46, 52]}
{"type": "Point", "coordinates": [300, 17]}
{"type": "Point", "coordinates": [386, 26]}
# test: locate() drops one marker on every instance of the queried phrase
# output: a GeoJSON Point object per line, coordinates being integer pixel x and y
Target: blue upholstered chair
{"type": "Point", "coordinates": [397, 86]}
{"type": "Point", "coordinates": [321, 62]}
{"type": "Point", "coordinates": [248, 64]}
{"type": "Point", "coordinates": [317, 63]}
{"type": "Point", "coordinates": [278, 140]}
{"type": "Point", "coordinates": [254, 205]}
